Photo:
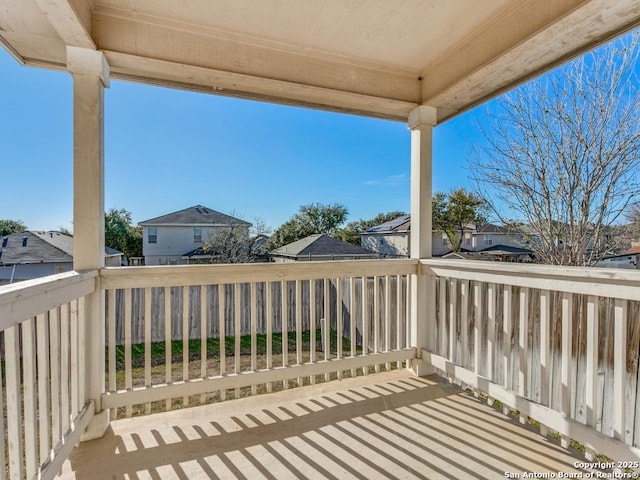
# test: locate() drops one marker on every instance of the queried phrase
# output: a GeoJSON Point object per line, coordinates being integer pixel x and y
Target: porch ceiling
{"type": "Point", "coordinates": [369, 57]}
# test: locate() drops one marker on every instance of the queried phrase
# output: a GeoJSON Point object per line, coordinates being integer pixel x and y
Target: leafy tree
{"type": "Point", "coordinates": [121, 234]}
{"type": "Point", "coordinates": [561, 154]}
{"type": "Point", "coordinates": [454, 211]}
{"type": "Point", "coordinates": [351, 232]}
{"type": "Point", "coordinates": [310, 219]}
{"type": "Point", "coordinates": [8, 227]}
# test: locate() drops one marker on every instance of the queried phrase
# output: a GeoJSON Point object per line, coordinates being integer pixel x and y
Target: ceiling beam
{"type": "Point", "coordinates": [71, 19]}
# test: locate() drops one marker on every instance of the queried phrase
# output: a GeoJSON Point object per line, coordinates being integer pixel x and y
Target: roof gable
{"type": "Point", "coordinates": [320, 245]}
{"type": "Point", "coordinates": [196, 215]}
{"type": "Point", "coordinates": [37, 247]}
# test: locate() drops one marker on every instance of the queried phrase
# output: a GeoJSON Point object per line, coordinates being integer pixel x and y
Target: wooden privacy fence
{"type": "Point", "coordinates": [207, 297]}
{"type": "Point", "coordinates": [556, 345]}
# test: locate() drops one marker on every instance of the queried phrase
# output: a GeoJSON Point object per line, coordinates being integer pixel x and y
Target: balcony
{"type": "Point", "coordinates": [555, 350]}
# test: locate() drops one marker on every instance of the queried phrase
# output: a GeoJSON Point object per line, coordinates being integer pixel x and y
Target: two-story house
{"type": "Point", "coordinates": [391, 240]}
{"type": "Point", "coordinates": [175, 238]}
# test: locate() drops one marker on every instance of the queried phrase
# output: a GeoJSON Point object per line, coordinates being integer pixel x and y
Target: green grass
{"type": "Point", "coordinates": [213, 347]}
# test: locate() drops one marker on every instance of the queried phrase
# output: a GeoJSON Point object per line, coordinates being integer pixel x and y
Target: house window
{"type": "Point", "coordinates": [152, 235]}
{"type": "Point", "coordinates": [488, 240]}
{"type": "Point", "coordinates": [197, 234]}
{"type": "Point", "coordinates": [445, 240]}
{"type": "Point", "coordinates": [467, 238]}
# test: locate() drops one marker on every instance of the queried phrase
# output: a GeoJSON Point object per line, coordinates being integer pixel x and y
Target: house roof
{"type": "Point", "coordinates": [320, 245]}
{"type": "Point", "coordinates": [399, 224]}
{"type": "Point", "coordinates": [506, 250]}
{"type": "Point", "coordinates": [374, 58]}
{"type": "Point", "coordinates": [40, 247]}
{"type": "Point", "coordinates": [633, 250]}
{"type": "Point", "coordinates": [196, 215]}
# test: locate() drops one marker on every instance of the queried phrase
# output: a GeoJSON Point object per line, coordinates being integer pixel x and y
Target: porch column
{"type": "Point", "coordinates": [421, 122]}
{"type": "Point", "coordinates": [90, 73]}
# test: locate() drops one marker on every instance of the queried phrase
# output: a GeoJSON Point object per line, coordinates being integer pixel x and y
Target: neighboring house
{"type": "Point", "coordinates": [179, 237]}
{"type": "Point", "coordinates": [320, 247]}
{"type": "Point", "coordinates": [392, 240]}
{"type": "Point", "coordinates": [630, 259]}
{"type": "Point", "coordinates": [31, 254]}
{"type": "Point", "coordinates": [389, 239]}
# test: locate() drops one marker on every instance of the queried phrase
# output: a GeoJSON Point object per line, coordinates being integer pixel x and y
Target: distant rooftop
{"type": "Point", "coordinates": [320, 245]}
{"type": "Point", "coordinates": [39, 247]}
{"type": "Point", "coordinates": [196, 215]}
{"type": "Point", "coordinates": [399, 224]}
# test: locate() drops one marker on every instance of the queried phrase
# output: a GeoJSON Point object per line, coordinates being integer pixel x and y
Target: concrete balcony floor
{"type": "Point", "coordinates": [388, 425]}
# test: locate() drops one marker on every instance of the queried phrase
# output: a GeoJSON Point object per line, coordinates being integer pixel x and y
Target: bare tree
{"type": "Point", "coordinates": [562, 153]}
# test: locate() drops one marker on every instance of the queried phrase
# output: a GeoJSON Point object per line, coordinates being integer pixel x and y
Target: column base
{"type": "Point", "coordinates": [420, 368]}
{"type": "Point", "coordinates": [97, 427]}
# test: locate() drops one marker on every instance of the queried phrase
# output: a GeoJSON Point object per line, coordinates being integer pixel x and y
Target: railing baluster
{"type": "Point", "coordinates": [111, 335]}
{"type": "Point", "coordinates": [147, 343]}
{"type": "Point", "coordinates": [387, 317]}
{"type": "Point", "coordinates": [222, 341]}
{"type": "Point", "coordinates": [284, 306]}
{"type": "Point", "coordinates": [237, 332]}
{"type": "Point", "coordinates": [464, 323]}
{"type": "Point", "coordinates": [42, 330]}
{"type": "Point", "coordinates": [399, 316]}
{"type": "Point", "coordinates": [203, 335]}
{"type": "Point", "coordinates": [545, 357]}
{"type": "Point", "coordinates": [453, 302]}
{"type": "Point", "coordinates": [591, 393]}
{"type": "Point", "coordinates": [14, 402]}
{"type": "Point", "coordinates": [442, 316]}
{"type": "Point", "coordinates": [185, 339]}
{"type": "Point", "coordinates": [327, 323]}
{"type": "Point", "coordinates": [352, 319]}
{"type": "Point", "coordinates": [477, 326]}
{"type": "Point", "coordinates": [299, 326]}
{"type": "Point", "coordinates": [619, 368]}
{"type": "Point", "coordinates": [54, 355]}
{"type": "Point", "coordinates": [376, 318]}
{"type": "Point", "coordinates": [507, 332]}
{"type": "Point", "coordinates": [167, 340]}
{"type": "Point", "coordinates": [269, 308]}
{"type": "Point", "coordinates": [29, 398]}
{"type": "Point", "coordinates": [339, 321]}
{"type": "Point", "coordinates": [567, 330]}
{"type": "Point", "coordinates": [254, 334]}
{"type": "Point", "coordinates": [491, 329]}
{"type": "Point", "coordinates": [76, 368]}
{"type": "Point", "coordinates": [128, 375]}
{"type": "Point", "coordinates": [523, 345]}
{"type": "Point", "coordinates": [64, 367]}
{"type": "Point", "coordinates": [313, 328]}
{"type": "Point", "coordinates": [365, 320]}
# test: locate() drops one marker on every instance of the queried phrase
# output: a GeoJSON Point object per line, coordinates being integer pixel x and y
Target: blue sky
{"type": "Point", "coordinates": [168, 149]}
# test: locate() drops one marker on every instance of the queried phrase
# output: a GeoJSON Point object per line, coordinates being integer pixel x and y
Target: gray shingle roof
{"type": "Point", "coordinates": [400, 224]}
{"type": "Point", "coordinates": [41, 247]}
{"type": "Point", "coordinates": [196, 215]}
{"type": "Point", "coordinates": [320, 245]}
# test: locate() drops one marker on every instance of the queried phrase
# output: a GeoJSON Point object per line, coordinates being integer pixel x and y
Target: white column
{"type": "Point", "coordinates": [423, 287]}
{"type": "Point", "coordinates": [90, 73]}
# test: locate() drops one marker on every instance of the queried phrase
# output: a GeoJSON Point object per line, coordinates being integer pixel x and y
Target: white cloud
{"type": "Point", "coordinates": [390, 181]}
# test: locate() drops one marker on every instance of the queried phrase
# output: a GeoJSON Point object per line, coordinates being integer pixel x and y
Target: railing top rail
{"type": "Point", "coordinates": [604, 282]}
{"type": "Point", "coordinates": [23, 300]}
{"type": "Point", "coordinates": [180, 275]}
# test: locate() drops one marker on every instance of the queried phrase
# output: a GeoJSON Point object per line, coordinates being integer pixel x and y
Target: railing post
{"type": "Point", "coordinates": [90, 73]}
{"type": "Point", "coordinates": [423, 286]}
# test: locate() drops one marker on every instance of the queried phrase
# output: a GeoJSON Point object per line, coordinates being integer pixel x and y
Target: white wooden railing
{"type": "Point", "coordinates": [42, 397]}
{"type": "Point", "coordinates": [268, 326]}
{"type": "Point", "coordinates": [559, 345]}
